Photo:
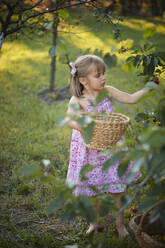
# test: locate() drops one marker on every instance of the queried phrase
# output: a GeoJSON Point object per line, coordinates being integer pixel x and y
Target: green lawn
{"type": "Point", "coordinates": [29, 132]}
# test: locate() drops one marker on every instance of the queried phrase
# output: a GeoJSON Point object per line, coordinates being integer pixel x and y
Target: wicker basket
{"type": "Point", "coordinates": [108, 130]}
{"type": "Point", "coordinates": [143, 229]}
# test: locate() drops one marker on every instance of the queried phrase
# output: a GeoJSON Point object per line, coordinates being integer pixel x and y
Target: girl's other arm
{"type": "Point", "coordinates": [124, 97]}
{"type": "Point", "coordinates": [72, 123]}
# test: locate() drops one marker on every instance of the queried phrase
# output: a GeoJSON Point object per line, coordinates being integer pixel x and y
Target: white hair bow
{"type": "Point", "coordinates": [74, 70]}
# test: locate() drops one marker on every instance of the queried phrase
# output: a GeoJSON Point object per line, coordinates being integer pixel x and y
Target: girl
{"type": "Point", "coordinates": [87, 80]}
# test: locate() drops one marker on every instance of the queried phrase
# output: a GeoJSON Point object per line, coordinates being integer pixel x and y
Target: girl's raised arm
{"type": "Point", "coordinates": [124, 97]}
{"type": "Point", "coordinates": [72, 124]}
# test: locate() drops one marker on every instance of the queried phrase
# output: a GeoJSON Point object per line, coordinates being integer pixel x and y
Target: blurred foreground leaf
{"type": "Point", "coordinates": [29, 170]}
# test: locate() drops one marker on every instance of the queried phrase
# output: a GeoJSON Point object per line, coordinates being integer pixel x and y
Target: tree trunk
{"type": "Point", "coordinates": [162, 7]}
{"type": "Point", "coordinates": [154, 8]}
{"type": "Point", "coordinates": [131, 7]}
{"type": "Point", "coordinates": [138, 6]}
{"type": "Point", "coordinates": [1, 39]}
{"type": "Point", "coordinates": [53, 58]}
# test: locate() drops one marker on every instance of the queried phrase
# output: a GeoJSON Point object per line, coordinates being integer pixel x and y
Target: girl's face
{"type": "Point", "coordinates": [95, 79]}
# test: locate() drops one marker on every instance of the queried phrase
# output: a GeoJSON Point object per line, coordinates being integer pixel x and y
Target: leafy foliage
{"type": "Point", "coordinates": [145, 58]}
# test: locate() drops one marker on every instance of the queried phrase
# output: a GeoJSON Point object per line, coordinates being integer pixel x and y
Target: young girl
{"type": "Point", "coordinates": [87, 80]}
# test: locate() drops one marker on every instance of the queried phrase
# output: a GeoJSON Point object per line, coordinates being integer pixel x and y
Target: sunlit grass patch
{"type": "Point", "coordinates": [140, 24]}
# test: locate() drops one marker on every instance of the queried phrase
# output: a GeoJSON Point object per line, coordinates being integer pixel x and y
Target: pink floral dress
{"type": "Point", "coordinates": [80, 155]}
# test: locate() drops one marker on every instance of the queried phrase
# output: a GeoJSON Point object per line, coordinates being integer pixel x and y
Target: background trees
{"type": "Point", "coordinates": [40, 15]}
{"type": "Point", "coordinates": [139, 7]}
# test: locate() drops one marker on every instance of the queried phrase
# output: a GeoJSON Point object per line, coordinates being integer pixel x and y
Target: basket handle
{"type": "Point", "coordinates": [139, 228]}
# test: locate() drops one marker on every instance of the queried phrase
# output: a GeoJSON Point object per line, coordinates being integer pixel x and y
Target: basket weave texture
{"type": "Point", "coordinates": [109, 127]}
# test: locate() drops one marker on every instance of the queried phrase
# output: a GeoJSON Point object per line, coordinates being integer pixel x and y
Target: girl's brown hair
{"type": "Point", "coordinates": [82, 65]}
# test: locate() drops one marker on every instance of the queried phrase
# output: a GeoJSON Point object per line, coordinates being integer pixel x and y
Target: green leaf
{"type": "Point", "coordinates": [105, 206]}
{"type": "Point", "coordinates": [107, 59]}
{"type": "Point", "coordinates": [75, 107]}
{"type": "Point", "coordinates": [113, 160]}
{"type": "Point", "coordinates": [53, 51]}
{"type": "Point", "coordinates": [47, 179]}
{"type": "Point", "coordinates": [126, 199]}
{"type": "Point", "coordinates": [110, 60]}
{"type": "Point", "coordinates": [130, 59]}
{"type": "Point", "coordinates": [157, 163]}
{"type": "Point", "coordinates": [138, 163]}
{"type": "Point", "coordinates": [87, 51]}
{"type": "Point", "coordinates": [64, 13]}
{"type": "Point", "coordinates": [98, 52]}
{"type": "Point", "coordinates": [146, 60]}
{"type": "Point", "coordinates": [141, 117]}
{"type": "Point", "coordinates": [155, 61]}
{"type": "Point", "coordinates": [48, 25]}
{"type": "Point", "coordinates": [114, 60]}
{"type": "Point", "coordinates": [137, 61]}
{"type": "Point", "coordinates": [161, 111]}
{"type": "Point", "coordinates": [55, 205]}
{"type": "Point", "coordinates": [71, 246]}
{"type": "Point", "coordinates": [62, 44]}
{"type": "Point", "coordinates": [162, 215]}
{"type": "Point", "coordinates": [101, 96]}
{"type": "Point", "coordinates": [137, 50]}
{"type": "Point", "coordinates": [94, 189]}
{"type": "Point", "coordinates": [113, 49]}
{"type": "Point", "coordinates": [147, 204]}
{"type": "Point", "coordinates": [150, 85]}
{"type": "Point", "coordinates": [60, 200]}
{"type": "Point", "coordinates": [88, 132]}
{"type": "Point", "coordinates": [105, 153]}
{"type": "Point", "coordinates": [84, 120]}
{"type": "Point", "coordinates": [63, 121]}
{"type": "Point", "coordinates": [151, 67]}
{"type": "Point", "coordinates": [123, 167]}
{"type": "Point", "coordinates": [149, 32]}
{"type": "Point", "coordinates": [161, 103]}
{"type": "Point", "coordinates": [155, 214]}
{"type": "Point", "coordinates": [84, 208]}
{"type": "Point", "coordinates": [157, 191]}
{"type": "Point", "coordinates": [157, 140]}
{"type": "Point", "coordinates": [29, 170]}
{"type": "Point", "coordinates": [69, 212]}
{"type": "Point", "coordinates": [84, 170]}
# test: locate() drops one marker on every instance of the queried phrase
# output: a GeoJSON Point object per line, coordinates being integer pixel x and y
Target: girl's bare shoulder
{"type": "Point", "coordinates": [73, 100]}
{"type": "Point", "coordinates": [78, 100]}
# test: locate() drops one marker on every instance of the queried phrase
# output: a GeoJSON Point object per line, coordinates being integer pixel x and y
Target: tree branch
{"type": "Point", "coordinates": [56, 8]}
{"type": "Point", "coordinates": [1, 20]}
{"type": "Point", "coordinates": [18, 27]}
{"type": "Point", "coordinates": [13, 30]}
{"type": "Point", "coordinates": [32, 6]}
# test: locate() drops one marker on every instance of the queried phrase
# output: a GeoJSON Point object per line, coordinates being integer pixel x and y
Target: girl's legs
{"type": "Point", "coordinates": [93, 226]}
{"type": "Point", "coordinates": [120, 218]}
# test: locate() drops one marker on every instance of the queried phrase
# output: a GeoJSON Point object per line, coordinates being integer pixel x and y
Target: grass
{"type": "Point", "coordinates": [30, 134]}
